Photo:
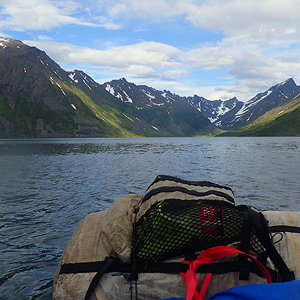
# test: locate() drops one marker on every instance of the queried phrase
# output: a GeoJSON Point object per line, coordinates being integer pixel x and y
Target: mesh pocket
{"type": "Point", "coordinates": [175, 227]}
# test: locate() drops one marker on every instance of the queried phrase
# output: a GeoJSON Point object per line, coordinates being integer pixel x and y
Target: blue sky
{"type": "Point", "coordinates": [217, 49]}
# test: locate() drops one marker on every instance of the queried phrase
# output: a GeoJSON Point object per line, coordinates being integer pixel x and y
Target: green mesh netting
{"type": "Point", "coordinates": [176, 227]}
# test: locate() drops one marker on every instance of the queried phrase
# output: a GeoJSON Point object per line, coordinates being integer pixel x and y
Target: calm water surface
{"type": "Point", "coordinates": [47, 186]}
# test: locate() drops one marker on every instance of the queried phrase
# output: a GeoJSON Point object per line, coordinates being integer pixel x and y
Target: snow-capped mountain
{"type": "Point", "coordinates": [161, 109]}
{"type": "Point", "coordinates": [259, 105]}
{"type": "Point", "coordinates": [225, 114]}
{"type": "Point", "coordinates": [234, 114]}
{"type": "Point", "coordinates": [40, 99]}
{"type": "Point", "coordinates": [215, 110]}
{"type": "Point", "coordinates": [82, 80]}
{"type": "Point", "coordinates": [140, 96]}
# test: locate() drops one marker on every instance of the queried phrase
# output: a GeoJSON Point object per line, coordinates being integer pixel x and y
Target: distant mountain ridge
{"type": "Point", "coordinates": [233, 114]}
{"type": "Point", "coordinates": [283, 120]}
{"type": "Point", "coordinates": [40, 99]}
{"type": "Point", "coordinates": [225, 114]}
{"type": "Point", "coordinates": [216, 110]}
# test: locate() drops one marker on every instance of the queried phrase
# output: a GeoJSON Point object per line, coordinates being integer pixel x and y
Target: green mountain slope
{"type": "Point", "coordinates": [281, 121]}
{"type": "Point", "coordinates": [40, 99]}
{"type": "Point", "coordinates": [37, 99]}
{"type": "Point", "coordinates": [167, 118]}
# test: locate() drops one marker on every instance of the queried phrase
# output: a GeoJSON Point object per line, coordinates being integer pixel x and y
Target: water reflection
{"type": "Point", "coordinates": [87, 146]}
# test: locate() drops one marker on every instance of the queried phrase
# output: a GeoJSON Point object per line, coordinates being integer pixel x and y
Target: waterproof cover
{"type": "Point", "coordinates": [99, 235]}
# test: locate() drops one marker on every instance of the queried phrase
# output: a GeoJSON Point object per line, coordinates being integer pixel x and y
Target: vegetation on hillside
{"type": "Point", "coordinates": [281, 121]}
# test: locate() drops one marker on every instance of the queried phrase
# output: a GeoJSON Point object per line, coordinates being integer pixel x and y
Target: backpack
{"type": "Point", "coordinates": [182, 218]}
{"type": "Point", "coordinates": [164, 225]}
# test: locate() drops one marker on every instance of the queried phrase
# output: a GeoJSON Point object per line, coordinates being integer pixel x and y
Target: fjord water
{"type": "Point", "coordinates": [48, 185]}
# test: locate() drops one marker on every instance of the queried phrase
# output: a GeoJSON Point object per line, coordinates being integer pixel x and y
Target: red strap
{"type": "Point", "coordinates": [206, 257]}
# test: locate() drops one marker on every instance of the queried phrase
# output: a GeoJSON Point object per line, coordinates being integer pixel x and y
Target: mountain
{"type": "Point", "coordinates": [167, 113]}
{"type": "Point", "coordinates": [283, 120]}
{"type": "Point", "coordinates": [40, 99]}
{"type": "Point", "coordinates": [233, 114]}
{"type": "Point", "coordinates": [261, 103]}
{"type": "Point", "coordinates": [217, 110]}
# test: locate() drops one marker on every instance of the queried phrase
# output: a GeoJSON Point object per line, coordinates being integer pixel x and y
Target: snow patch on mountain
{"type": "Point", "coordinates": [118, 95]}
{"type": "Point", "coordinates": [148, 94]}
{"type": "Point", "coordinates": [253, 102]}
{"type": "Point", "coordinates": [110, 89]}
{"type": "Point", "coordinates": [61, 89]}
{"type": "Point", "coordinates": [220, 111]}
{"type": "Point", "coordinates": [4, 42]}
{"type": "Point", "coordinates": [87, 84]}
{"type": "Point", "coordinates": [127, 97]}
{"type": "Point", "coordinates": [128, 118]}
{"type": "Point", "coordinates": [72, 77]}
{"type": "Point", "coordinates": [283, 83]}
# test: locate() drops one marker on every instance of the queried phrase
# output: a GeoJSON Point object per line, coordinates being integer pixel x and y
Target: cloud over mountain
{"type": "Point", "coordinates": [213, 47]}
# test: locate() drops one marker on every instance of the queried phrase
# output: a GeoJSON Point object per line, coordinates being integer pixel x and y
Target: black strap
{"type": "Point", "coordinates": [260, 224]}
{"type": "Point", "coordinates": [97, 277]}
{"type": "Point", "coordinates": [162, 267]}
{"type": "Point", "coordinates": [94, 266]}
{"type": "Point", "coordinates": [87, 267]}
{"type": "Point", "coordinates": [245, 244]}
{"type": "Point", "coordinates": [285, 228]}
{"type": "Point", "coordinates": [169, 189]}
{"type": "Point", "coordinates": [189, 190]}
{"type": "Point", "coordinates": [188, 182]}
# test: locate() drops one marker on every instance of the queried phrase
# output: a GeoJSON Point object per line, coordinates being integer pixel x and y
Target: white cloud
{"type": "Point", "coordinates": [255, 18]}
{"type": "Point", "coordinates": [141, 71]}
{"type": "Point", "coordinates": [153, 55]}
{"type": "Point", "coordinates": [34, 14]}
{"type": "Point", "coordinates": [258, 19]}
{"type": "Point", "coordinates": [44, 38]}
{"type": "Point", "coordinates": [22, 15]}
{"type": "Point", "coordinates": [175, 73]}
{"type": "Point", "coordinates": [156, 10]}
{"type": "Point", "coordinates": [253, 66]}
{"type": "Point", "coordinates": [258, 43]}
{"type": "Point", "coordinates": [209, 58]}
{"type": "Point", "coordinates": [251, 71]}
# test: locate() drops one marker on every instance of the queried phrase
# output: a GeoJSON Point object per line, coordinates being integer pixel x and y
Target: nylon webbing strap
{"type": "Point", "coordinates": [97, 278]}
{"type": "Point", "coordinates": [257, 220]}
{"type": "Point", "coordinates": [186, 191]}
{"type": "Point", "coordinates": [163, 267]}
{"type": "Point", "coordinates": [87, 267]}
{"type": "Point", "coordinates": [207, 256]}
{"type": "Point", "coordinates": [169, 184]}
{"type": "Point", "coordinates": [285, 228]}
{"type": "Point", "coordinates": [245, 244]}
